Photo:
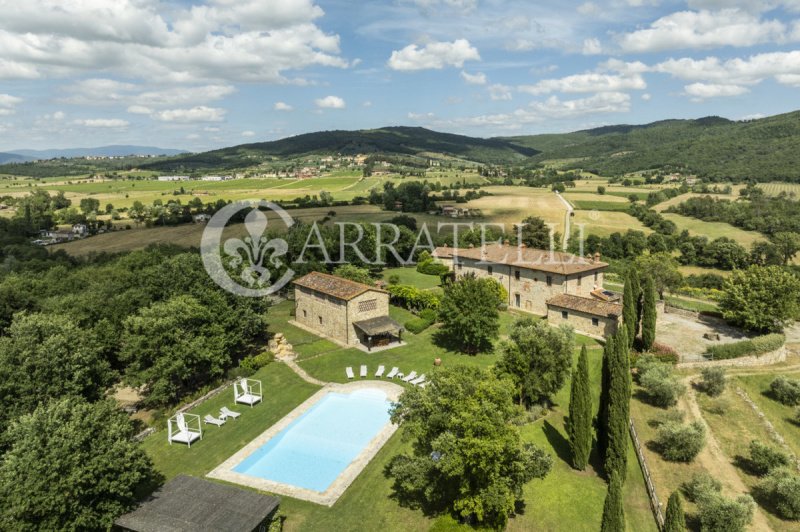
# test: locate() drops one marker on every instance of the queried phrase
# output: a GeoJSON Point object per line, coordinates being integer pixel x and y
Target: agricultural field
{"type": "Point", "coordinates": [714, 230]}
{"type": "Point", "coordinates": [773, 189]}
{"type": "Point", "coordinates": [510, 205]}
{"type": "Point", "coordinates": [604, 223]}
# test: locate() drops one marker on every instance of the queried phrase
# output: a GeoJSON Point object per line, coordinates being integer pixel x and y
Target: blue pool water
{"type": "Point", "coordinates": [316, 447]}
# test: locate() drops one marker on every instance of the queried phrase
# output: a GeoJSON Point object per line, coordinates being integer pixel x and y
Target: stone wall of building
{"type": "Point", "coordinates": [366, 306]}
{"type": "Point", "coordinates": [321, 313]}
{"type": "Point", "coordinates": [533, 288]}
{"type": "Point", "coordinates": [582, 322]}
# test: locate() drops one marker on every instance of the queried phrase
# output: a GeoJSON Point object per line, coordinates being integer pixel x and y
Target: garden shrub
{"type": "Point", "coordinates": [394, 279]}
{"type": "Point", "coordinates": [701, 485]}
{"type": "Point", "coordinates": [713, 382]}
{"type": "Point", "coordinates": [237, 372]}
{"type": "Point", "coordinates": [720, 514]}
{"type": "Point", "coordinates": [764, 458]}
{"type": "Point", "coordinates": [432, 267]}
{"type": "Point", "coordinates": [661, 385]}
{"type": "Point", "coordinates": [680, 443]}
{"type": "Point", "coordinates": [256, 362]}
{"type": "Point", "coordinates": [417, 325]}
{"type": "Point", "coordinates": [664, 353]}
{"type": "Point", "coordinates": [429, 314]}
{"type": "Point", "coordinates": [785, 390]}
{"type": "Point", "coordinates": [780, 490]}
{"type": "Point", "coordinates": [750, 347]}
{"type": "Point", "coordinates": [412, 298]}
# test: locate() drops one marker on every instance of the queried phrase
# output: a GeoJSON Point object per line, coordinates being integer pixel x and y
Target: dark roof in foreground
{"type": "Point", "coordinates": [531, 259]}
{"type": "Point", "coordinates": [587, 305]}
{"type": "Point", "coordinates": [334, 286]}
{"type": "Point", "coordinates": [378, 325]}
{"type": "Point", "coordinates": [192, 504]}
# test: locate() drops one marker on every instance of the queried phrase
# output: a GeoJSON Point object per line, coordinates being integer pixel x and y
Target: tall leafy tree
{"type": "Point", "coordinates": [761, 299]}
{"type": "Point", "coordinates": [618, 409]}
{"type": "Point", "coordinates": [580, 414]}
{"type": "Point", "coordinates": [534, 233]}
{"type": "Point", "coordinates": [674, 521]}
{"type": "Point", "coordinates": [173, 347]}
{"type": "Point", "coordinates": [48, 356]}
{"type": "Point", "coordinates": [469, 313]}
{"type": "Point", "coordinates": [787, 244]}
{"type": "Point", "coordinates": [475, 463]}
{"type": "Point", "coordinates": [663, 268]}
{"type": "Point", "coordinates": [613, 511]}
{"type": "Point", "coordinates": [537, 357]}
{"type": "Point", "coordinates": [73, 466]}
{"type": "Point", "coordinates": [648, 314]}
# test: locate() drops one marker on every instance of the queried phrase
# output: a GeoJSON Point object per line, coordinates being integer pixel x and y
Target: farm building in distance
{"type": "Point", "coordinates": [536, 281]}
{"type": "Point", "coordinates": [347, 312]}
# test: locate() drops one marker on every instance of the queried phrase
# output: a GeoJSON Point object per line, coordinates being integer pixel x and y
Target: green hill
{"type": "Point", "coordinates": [765, 149]}
{"type": "Point", "coordinates": [389, 140]}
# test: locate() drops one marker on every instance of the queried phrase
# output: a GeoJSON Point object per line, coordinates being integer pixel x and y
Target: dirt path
{"type": "Point", "coordinates": [713, 460]}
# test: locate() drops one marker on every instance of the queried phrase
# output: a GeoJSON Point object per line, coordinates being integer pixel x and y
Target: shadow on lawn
{"type": "Point", "coordinates": [557, 441]}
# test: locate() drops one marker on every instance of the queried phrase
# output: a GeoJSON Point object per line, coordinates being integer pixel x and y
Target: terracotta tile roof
{"type": "Point", "coordinates": [585, 304]}
{"type": "Point", "coordinates": [334, 286]}
{"type": "Point", "coordinates": [532, 259]}
{"type": "Point", "coordinates": [442, 252]}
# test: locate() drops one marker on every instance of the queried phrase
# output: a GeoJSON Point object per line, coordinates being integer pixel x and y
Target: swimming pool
{"type": "Point", "coordinates": [318, 449]}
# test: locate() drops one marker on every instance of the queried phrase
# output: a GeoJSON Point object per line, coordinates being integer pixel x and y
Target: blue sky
{"type": "Point", "coordinates": [201, 75]}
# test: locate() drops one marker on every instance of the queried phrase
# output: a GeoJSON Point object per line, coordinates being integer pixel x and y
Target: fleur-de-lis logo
{"type": "Point", "coordinates": [255, 257]}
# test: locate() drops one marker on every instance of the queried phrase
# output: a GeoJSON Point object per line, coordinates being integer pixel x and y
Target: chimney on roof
{"type": "Point", "coordinates": [597, 256]}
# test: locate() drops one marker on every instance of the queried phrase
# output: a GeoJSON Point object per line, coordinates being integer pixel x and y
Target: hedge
{"type": "Point", "coordinates": [751, 347]}
{"type": "Point", "coordinates": [417, 325]}
{"type": "Point", "coordinates": [413, 298]}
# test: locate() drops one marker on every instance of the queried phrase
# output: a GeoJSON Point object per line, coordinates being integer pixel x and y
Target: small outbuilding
{"type": "Point", "coordinates": [347, 312]}
{"type": "Point", "coordinates": [189, 504]}
{"type": "Point", "coordinates": [586, 315]}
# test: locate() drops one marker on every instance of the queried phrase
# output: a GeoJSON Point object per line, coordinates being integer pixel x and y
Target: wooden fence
{"type": "Point", "coordinates": [651, 489]}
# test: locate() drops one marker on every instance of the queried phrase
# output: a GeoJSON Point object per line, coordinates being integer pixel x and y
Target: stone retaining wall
{"type": "Point", "coordinates": [766, 359]}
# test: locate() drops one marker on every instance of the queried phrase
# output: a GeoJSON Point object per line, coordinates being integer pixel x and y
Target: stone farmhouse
{"type": "Point", "coordinates": [349, 313]}
{"type": "Point", "coordinates": [563, 287]}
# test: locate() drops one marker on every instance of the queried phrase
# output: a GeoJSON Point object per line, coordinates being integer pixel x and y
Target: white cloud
{"type": "Point", "coordinates": [103, 123]}
{"type": "Point", "coordinates": [783, 66]}
{"type": "Point", "coordinates": [434, 55]}
{"type": "Point", "coordinates": [592, 47]}
{"type": "Point", "coordinates": [248, 133]}
{"type": "Point", "coordinates": [8, 103]}
{"type": "Point", "coordinates": [754, 116]}
{"type": "Point", "coordinates": [703, 91]}
{"type": "Point", "coordinates": [703, 29]}
{"type": "Point", "coordinates": [461, 5]}
{"type": "Point", "coordinates": [282, 106]}
{"type": "Point", "coordinates": [330, 102]}
{"type": "Point", "coordinates": [246, 40]}
{"type": "Point", "coordinates": [646, 96]}
{"type": "Point", "coordinates": [500, 92]}
{"type": "Point", "coordinates": [541, 111]}
{"type": "Point", "coordinates": [367, 103]}
{"type": "Point", "coordinates": [139, 110]}
{"type": "Point", "coordinates": [99, 91]}
{"type": "Point", "coordinates": [588, 8]}
{"type": "Point", "coordinates": [201, 113]}
{"type": "Point", "coordinates": [479, 78]}
{"type": "Point", "coordinates": [421, 116]}
{"type": "Point", "coordinates": [589, 82]}
{"type": "Point", "coordinates": [755, 6]}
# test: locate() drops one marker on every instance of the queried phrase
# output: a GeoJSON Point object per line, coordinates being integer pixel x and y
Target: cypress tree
{"type": "Point", "coordinates": [630, 304]}
{"type": "Point", "coordinates": [602, 411]}
{"type": "Point", "coordinates": [613, 512]}
{"type": "Point", "coordinates": [580, 414]}
{"type": "Point", "coordinates": [618, 416]}
{"type": "Point", "coordinates": [637, 288]}
{"type": "Point", "coordinates": [674, 520]}
{"type": "Point", "coordinates": [649, 314]}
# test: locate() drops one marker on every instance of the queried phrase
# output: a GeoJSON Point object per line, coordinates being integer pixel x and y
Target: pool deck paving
{"type": "Point", "coordinates": [225, 471]}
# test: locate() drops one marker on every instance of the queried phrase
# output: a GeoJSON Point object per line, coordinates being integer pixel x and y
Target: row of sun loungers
{"type": "Point", "coordinates": [411, 378]}
{"type": "Point", "coordinates": [224, 414]}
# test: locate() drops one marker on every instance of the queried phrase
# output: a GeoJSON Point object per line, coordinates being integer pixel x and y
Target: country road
{"type": "Point", "coordinates": [567, 219]}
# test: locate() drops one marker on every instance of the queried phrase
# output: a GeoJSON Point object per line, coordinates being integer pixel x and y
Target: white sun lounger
{"type": "Point", "coordinates": [363, 370]}
{"type": "Point", "coordinates": [214, 421]}
{"type": "Point", "coordinates": [380, 371]}
{"type": "Point", "coordinates": [419, 380]}
{"type": "Point", "coordinates": [393, 372]}
{"type": "Point", "coordinates": [424, 384]}
{"type": "Point", "coordinates": [226, 412]}
{"type": "Point", "coordinates": [349, 371]}
{"type": "Point", "coordinates": [410, 377]}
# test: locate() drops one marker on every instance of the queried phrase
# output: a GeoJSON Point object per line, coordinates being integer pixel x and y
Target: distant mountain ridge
{"type": "Point", "coordinates": [100, 151]}
{"type": "Point", "coordinates": [13, 158]}
{"type": "Point", "coordinates": [397, 140]}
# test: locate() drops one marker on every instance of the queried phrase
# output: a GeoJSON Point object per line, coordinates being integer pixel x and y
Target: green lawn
{"type": "Point", "coordinates": [564, 500]}
{"type": "Point", "coordinates": [781, 416]}
{"type": "Point", "coordinates": [411, 276]}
